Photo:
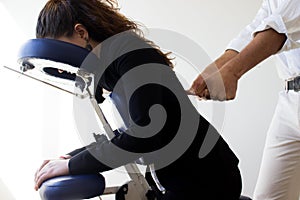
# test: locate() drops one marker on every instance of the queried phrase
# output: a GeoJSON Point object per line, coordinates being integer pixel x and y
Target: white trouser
{"type": "Point", "coordinates": [279, 176]}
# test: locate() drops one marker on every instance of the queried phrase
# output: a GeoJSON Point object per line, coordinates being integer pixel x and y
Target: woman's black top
{"type": "Point", "coordinates": [146, 91]}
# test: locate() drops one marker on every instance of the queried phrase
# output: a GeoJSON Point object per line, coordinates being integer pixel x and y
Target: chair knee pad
{"type": "Point", "coordinates": [73, 187]}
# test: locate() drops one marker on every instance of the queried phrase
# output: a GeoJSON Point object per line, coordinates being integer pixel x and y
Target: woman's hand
{"type": "Point", "coordinates": [50, 169]}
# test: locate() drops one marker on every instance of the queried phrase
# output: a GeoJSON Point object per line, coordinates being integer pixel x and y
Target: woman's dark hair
{"type": "Point", "coordinates": [101, 18]}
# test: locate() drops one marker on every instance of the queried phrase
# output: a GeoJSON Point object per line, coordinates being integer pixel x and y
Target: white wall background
{"type": "Point", "coordinates": [36, 126]}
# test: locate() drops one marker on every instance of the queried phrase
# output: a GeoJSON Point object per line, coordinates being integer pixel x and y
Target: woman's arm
{"type": "Point", "coordinates": [136, 140]}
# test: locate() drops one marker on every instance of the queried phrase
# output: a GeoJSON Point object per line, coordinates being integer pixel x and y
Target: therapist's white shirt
{"type": "Point", "coordinates": [284, 17]}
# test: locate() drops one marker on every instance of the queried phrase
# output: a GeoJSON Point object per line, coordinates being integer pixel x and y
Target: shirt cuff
{"type": "Point", "coordinates": [237, 44]}
{"type": "Point", "coordinates": [275, 22]}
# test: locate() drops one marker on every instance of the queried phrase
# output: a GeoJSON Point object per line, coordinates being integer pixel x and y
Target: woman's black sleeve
{"type": "Point", "coordinates": [135, 141]}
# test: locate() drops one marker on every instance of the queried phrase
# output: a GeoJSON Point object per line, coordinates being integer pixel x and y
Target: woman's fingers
{"type": "Point", "coordinates": [48, 169]}
{"type": "Point", "coordinates": [65, 157]}
{"type": "Point", "coordinates": [51, 169]}
{"type": "Point", "coordinates": [39, 180]}
{"type": "Point", "coordinates": [42, 176]}
{"type": "Point", "coordinates": [45, 162]}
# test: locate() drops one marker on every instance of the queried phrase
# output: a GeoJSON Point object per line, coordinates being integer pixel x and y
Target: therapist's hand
{"type": "Point", "coordinates": [215, 84]}
{"type": "Point", "coordinates": [50, 169]}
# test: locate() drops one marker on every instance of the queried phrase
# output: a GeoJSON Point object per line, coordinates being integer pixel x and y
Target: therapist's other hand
{"type": "Point", "coordinates": [199, 87]}
{"type": "Point", "coordinates": [50, 169]}
{"type": "Point", "coordinates": [215, 84]}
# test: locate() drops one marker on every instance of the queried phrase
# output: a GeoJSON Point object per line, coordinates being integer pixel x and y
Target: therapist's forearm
{"type": "Point", "coordinates": [225, 57]}
{"type": "Point", "coordinates": [218, 63]}
{"type": "Point", "coordinates": [263, 45]}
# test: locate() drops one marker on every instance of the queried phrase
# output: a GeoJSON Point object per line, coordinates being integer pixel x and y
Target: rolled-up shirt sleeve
{"type": "Point", "coordinates": [284, 19]}
{"type": "Point", "coordinates": [246, 35]}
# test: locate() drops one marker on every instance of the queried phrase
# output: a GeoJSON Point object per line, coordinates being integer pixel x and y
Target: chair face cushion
{"type": "Point", "coordinates": [73, 187]}
{"type": "Point", "coordinates": [59, 52]}
{"type": "Point", "coordinates": [55, 50]}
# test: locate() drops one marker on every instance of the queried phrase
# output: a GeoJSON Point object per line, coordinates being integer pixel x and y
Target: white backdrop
{"type": "Point", "coordinates": [35, 126]}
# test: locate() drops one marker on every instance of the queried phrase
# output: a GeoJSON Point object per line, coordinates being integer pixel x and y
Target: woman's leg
{"type": "Point", "coordinates": [279, 176]}
{"type": "Point", "coordinates": [218, 184]}
{"type": "Point", "coordinates": [73, 187]}
{"type": "Point", "coordinates": [231, 187]}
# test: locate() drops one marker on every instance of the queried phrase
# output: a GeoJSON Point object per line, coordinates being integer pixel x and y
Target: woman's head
{"type": "Point", "coordinates": [83, 22]}
{"type": "Point", "coordinates": [100, 19]}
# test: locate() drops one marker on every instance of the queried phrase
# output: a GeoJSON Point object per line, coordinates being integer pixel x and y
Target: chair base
{"type": "Point", "coordinates": [244, 198]}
